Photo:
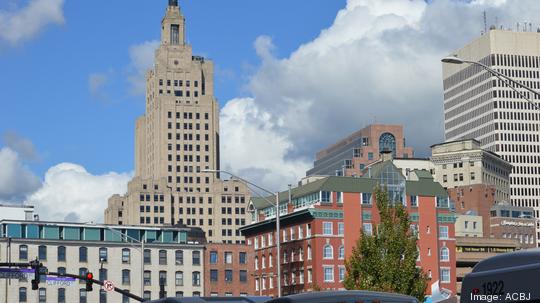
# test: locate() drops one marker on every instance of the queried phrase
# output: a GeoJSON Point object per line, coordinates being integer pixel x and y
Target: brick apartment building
{"type": "Point", "coordinates": [322, 221]}
{"type": "Point", "coordinates": [349, 156]}
{"type": "Point", "coordinates": [228, 270]}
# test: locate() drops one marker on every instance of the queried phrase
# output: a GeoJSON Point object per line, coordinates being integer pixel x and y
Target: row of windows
{"type": "Point", "coordinates": [288, 279]}
{"type": "Point", "coordinates": [180, 93]}
{"type": "Point", "coordinates": [103, 255]}
{"type": "Point", "coordinates": [188, 137]}
{"type": "Point", "coordinates": [228, 257]}
{"type": "Point", "coordinates": [285, 232]}
{"type": "Point", "coordinates": [228, 275]}
{"type": "Point", "coordinates": [187, 115]}
{"type": "Point", "coordinates": [179, 83]}
{"type": "Point", "coordinates": [188, 158]}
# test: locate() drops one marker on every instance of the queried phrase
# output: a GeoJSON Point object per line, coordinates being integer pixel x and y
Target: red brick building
{"type": "Point", "coordinates": [322, 221]}
{"type": "Point", "coordinates": [228, 270]}
{"type": "Point", "coordinates": [477, 199]}
{"type": "Point", "coordinates": [349, 156]}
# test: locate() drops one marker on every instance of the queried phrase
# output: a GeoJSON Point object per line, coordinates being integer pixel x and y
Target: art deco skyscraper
{"type": "Point", "coordinates": [175, 139]}
{"type": "Point", "coordinates": [480, 106]}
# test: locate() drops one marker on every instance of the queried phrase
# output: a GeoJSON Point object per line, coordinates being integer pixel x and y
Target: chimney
{"type": "Point", "coordinates": [386, 155]}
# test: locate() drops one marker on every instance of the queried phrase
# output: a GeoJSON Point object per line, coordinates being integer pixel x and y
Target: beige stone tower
{"type": "Point", "coordinates": [177, 138]}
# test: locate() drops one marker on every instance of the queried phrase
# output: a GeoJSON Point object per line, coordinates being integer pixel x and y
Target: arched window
{"type": "Point", "coordinates": [270, 261]}
{"type": "Point", "coordinates": [328, 252]}
{"type": "Point", "coordinates": [301, 254]}
{"type": "Point", "coordinates": [256, 262]}
{"type": "Point", "coordinates": [42, 253]}
{"type": "Point", "coordinates": [179, 257]}
{"type": "Point", "coordinates": [445, 254]}
{"type": "Point", "coordinates": [387, 142]}
{"type": "Point", "coordinates": [61, 270]}
{"type": "Point", "coordinates": [61, 295]}
{"type": "Point", "coordinates": [263, 262]}
{"type": "Point", "coordinates": [309, 253]}
{"type": "Point", "coordinates": [341, 252]}
{"type": "Point", "coordinates": [23, 252]}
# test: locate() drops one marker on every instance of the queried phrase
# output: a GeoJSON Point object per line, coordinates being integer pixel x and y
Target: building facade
{"type": "Point", "coordinates": [173, 254]}
{"type": "Point", "coordinates": [465, 163]}
{"type": "Point", "coordinates": [513, 222]}
{"type": "Point", "coordinates": [175, 140]}
{"type": "Point", "coordinates": [17, 212]}
{"type": "Point", "coordinates": [228, 270]}
{"type": "Point", "coordinates": [476, 199]}
{"type": "Point", "coordinates": [478, 105]}
{"type": "Point", "coordinates": [469, 226]}
{"type": "Point", "coordinates": [470, 251]}
{"type": "Point", "coordinates": [322, 222]}
{"type": "Point", "coordinates": [349, 156]}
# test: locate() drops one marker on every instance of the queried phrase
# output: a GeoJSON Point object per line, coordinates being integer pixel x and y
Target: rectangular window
{"type": "Point", "coordinates": [339, 197]}
{"type": "Point", "coordinates": [327, 228]}
{"type": "Point", "coordinates": [213, 275]}
{"type": "Point", "coordinates": [228, 257]}
{"type": "Point", "coordinates": [445, 275]}
{"type": "Point", "coordinates": [341, 228]}
{"type": "Point", "coordinates": [242, 258]}
{"type": "Point", "coordinates": [414, 201]}
{"type": "Point", "coordinates": [366, 198]}
{"type": "Point", "coordinates": [213, 257]}
{"type": "Point", "coordinates": [243, 276]}
{"type": "Point", "coordinates": [367, 228]}
{"type": "Point", "coordinates": [325, 196]}
{"type": "Point", "coordinates": [228, 275]}
{"type": "Point", "coordinates": [443, 232]}
{"type": "Point", "coordinates": [370, 156]}
{"type": "Point", "coordinates": [175, 34]}
{"type": "Point", "coordinates": [341, 273]}
{"type": "Point", "coordinates": [328, 274]}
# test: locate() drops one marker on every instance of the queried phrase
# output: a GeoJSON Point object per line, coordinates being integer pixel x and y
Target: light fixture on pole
{"type": "Point", "coordinates": [276, 204]}
{"type": "Point", "coordinates": [507, 80]}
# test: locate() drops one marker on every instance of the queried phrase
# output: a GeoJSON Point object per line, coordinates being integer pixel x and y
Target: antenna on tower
{"type": "Point", "coordinates": [485, 22]}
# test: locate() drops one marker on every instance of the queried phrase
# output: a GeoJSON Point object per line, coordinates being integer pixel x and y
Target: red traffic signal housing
{"type": "Point", "coordinates": [89, 281]}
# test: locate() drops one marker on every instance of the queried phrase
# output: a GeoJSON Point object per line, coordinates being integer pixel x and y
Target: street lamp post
{"type": "Point", "coordinates": [142, 254]}
{"type": "Point", "coordinates": [276, 204]}
{"type": "Point", "coordinates": [507, 80]}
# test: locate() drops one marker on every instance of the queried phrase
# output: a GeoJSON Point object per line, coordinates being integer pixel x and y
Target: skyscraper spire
{"type": "Point", "coordinates": [173, 2]}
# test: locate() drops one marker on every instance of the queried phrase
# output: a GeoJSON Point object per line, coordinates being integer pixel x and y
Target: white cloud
{"type": "Point", "coordinates": [16, 180]}
{"type": "Point", "coordinates": [142, 59]}
{"type": "Point", "coordinates": [22, 146]}
{"type": "Point", "coordinates": [71, 193]}
{"type": "Point", "coordinates": [379, 61]}
{"type": "Point", "coordinates": [21, 24]}
{"type": "Point", "coordinates": [96, 82]}
{"type": "Point", "coordinates": [249, 135]}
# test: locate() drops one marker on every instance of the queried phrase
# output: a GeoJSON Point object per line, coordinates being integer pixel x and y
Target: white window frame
{"type": "Point", "coordinates": [325, 268]}
{"type": "Point", "coordinates": [443, 227]}
{"type": "Point", "coordinates": [341, 228]}
{"type": "Point", "coordinates": [341, 273]}
{"type": "Point", "coordinates": [447, 255]}
{"type": "Point", "coordinates": [331, 256]}
{"type": "Point", "coordinates": [449, 275]}
{"type": "Point", "coordinates": [325, 228]}
{"type": "Point", "coordinates": [370, 228]}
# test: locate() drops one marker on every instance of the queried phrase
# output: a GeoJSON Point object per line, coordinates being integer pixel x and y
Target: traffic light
{"type": "Point", "coordinates": [39, 270]}
{"type": "Point", "coordinates": [89, 281]}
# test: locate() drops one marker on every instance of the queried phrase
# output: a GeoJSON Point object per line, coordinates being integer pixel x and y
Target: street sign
{"type": "Point", "coordinates": [60, 281]}
{"type": "Point", "coordinates": [108, 285]}
{"type": "Point", "coordinates": [16, 273]}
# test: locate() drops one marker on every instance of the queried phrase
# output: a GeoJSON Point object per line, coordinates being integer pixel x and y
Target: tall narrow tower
{"type": "Point", "coordinates": [175, 140]}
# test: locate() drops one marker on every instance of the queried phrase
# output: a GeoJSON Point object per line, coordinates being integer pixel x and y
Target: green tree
{"type": "Point", "coordinates": [386, 260]}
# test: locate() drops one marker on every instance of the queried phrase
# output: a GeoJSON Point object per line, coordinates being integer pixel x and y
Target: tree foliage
{"type": "Point", "coordinates": [386, 260]}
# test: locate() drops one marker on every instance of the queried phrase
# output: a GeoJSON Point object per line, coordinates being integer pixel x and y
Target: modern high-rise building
{"type": "Point", "coordinates": [349, 156]}
{"type": "Point", "coordinates": [478, 105]}
{"type": "Point", "coordinates": [175, 140]}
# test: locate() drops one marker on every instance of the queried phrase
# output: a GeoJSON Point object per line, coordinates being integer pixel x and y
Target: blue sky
{"type": "Point", "coordinates": [45, 93]}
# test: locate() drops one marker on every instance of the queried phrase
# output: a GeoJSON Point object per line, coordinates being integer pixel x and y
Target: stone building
{"type": "Point", "coordinates": [172, 253]}
{"type": "Point", "coordinates": [175, 140]}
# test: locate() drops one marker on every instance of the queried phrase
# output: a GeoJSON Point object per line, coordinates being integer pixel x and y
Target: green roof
{"type": "Point", "coordinates": [425, 186]}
